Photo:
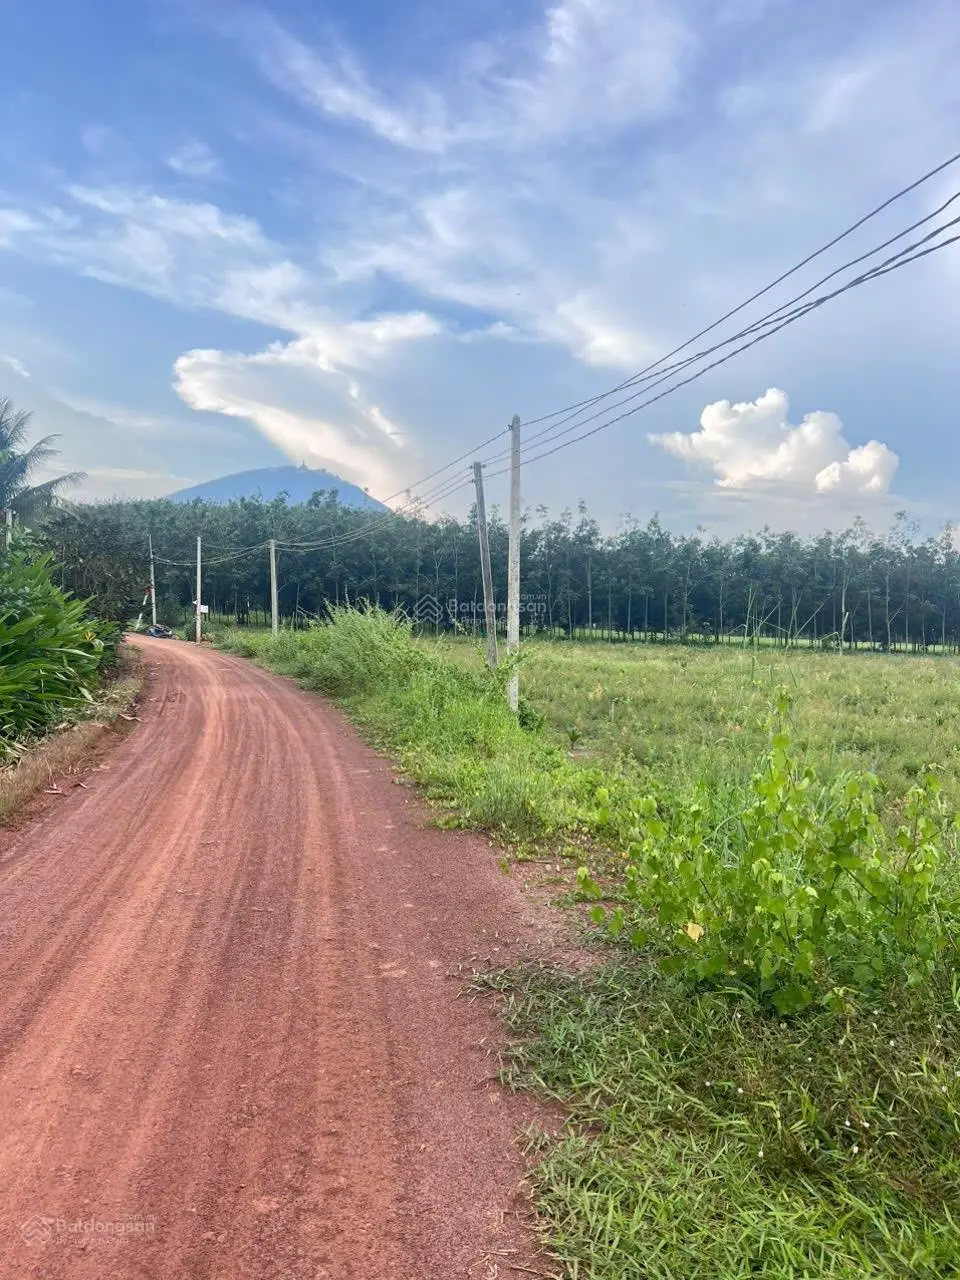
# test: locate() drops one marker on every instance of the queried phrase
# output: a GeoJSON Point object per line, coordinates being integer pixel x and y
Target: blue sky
{"type": "Point", "coordinates": [365, 235]}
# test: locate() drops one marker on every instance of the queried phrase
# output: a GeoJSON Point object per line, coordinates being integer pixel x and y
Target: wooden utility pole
{"type": "Point", "coordinates": [274, 608]}
{"type": "Point", "coordinates": [489, 606]}
{"type": "Point", "coordinates": [153, 584]}
{"type": "Point", "coordinates": [198, 589]}
{"type": "Point", "coordinates": [513, 565]}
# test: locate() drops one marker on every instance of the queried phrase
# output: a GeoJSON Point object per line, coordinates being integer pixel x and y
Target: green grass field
{"type": "Point", "coordinates": [725, 803]}
{"type": "Point", "coordinates": [702, 711]}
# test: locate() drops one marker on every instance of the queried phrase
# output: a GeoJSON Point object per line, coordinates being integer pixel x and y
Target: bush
{"type": "Point", "coordinates": [50, 650]}
{"type": "Point", "coordinates": [800, 891]}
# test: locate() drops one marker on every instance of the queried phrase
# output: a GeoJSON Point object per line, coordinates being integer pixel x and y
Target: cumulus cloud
{"type": "Point", "coordinates": [753, 446]}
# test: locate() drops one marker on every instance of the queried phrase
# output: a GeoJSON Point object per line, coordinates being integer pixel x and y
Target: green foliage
{"type": "Point", "coordinates": [799, 891]}
{"type": "Point", "coordinates": [50, 650]}
{"type": "Point", "coordinates": [20, 461]}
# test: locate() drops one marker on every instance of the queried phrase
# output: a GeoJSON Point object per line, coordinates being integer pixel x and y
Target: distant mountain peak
{"type": "Point", "coordinates": [299, 483]}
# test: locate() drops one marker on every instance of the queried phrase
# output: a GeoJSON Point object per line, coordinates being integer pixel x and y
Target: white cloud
{"type": "Point", "coordinates": [194, 159]}
{"type": "Point", "coordinates": [868, 469]}
{"type": "Point", "coordinates": [305, 396]}
{"type": "Point", "coordinates": [752, 445]}
{"type": "Point", "coordinates": [16, 365]}
{"type": "Point", "coordinates": [192, 253]}
{"type": "Point", "coordinates": [586, 66]}
{"type": "Point", "coordinates": [314, 414]}
{"type": "Point", "coordinates": [15, 223]}
{"type": "Point", "coordinates": [576, 194]}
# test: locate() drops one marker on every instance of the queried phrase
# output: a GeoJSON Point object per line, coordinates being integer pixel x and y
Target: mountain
{"type": "Point", "coordinates": [299, 484]}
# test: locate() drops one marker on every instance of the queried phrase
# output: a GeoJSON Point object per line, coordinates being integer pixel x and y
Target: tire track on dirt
{"type": "Point", "coordinates": [229, 1044]}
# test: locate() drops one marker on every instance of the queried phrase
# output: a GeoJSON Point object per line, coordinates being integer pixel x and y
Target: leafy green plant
{"type": "Point", "coordinates": [50, 650]}
{"type": "Point", "coordinates": [800, 892]}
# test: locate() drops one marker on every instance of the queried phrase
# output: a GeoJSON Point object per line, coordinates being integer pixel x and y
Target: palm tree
{"type": "Point", "coordinates": [18, 463]}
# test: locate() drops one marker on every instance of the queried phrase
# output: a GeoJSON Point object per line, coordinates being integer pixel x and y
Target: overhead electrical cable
{"type": "Point", "coordinates": [658, 377]}
{"type": "Point", "coordinates": [873, 213]}
{"type": "Point", "coordinates": [881, 269]}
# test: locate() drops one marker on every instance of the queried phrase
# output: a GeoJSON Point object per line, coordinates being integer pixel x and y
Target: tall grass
{"type": "Point", "coordinates": [701, 713]}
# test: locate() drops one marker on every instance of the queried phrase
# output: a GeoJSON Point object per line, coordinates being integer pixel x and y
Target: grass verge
{"type": "Point", "coordinates": [708, 1140]}
{"type": "Point", "coordinates": [449, 727]}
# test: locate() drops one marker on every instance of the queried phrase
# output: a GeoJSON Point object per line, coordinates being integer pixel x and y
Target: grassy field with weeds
{"type": "Point", "coordinates": [701, 712]}
{"type": "Point", "coordinates": [762, 1072]}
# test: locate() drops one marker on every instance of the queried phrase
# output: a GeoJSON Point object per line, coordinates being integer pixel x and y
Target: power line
{"type": "Point", "coordinates": [881, 269]}
{"type": "Point", "coordinates": [437, 493]}
{"type": "Point", "coordinates": [462, 458]}
{"type": "Point", "coordinates": [659, 376]}
{"type": "Point", "coordinates": [453, 485]}
{"type": "Point", "coordinates": [189, 564]}
{"type": "Point", "coordinates": [775, 317]}
{"type": "Point", "coordinates": [898, 195]}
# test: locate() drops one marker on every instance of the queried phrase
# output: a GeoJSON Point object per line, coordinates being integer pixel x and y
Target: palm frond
{"type": "Point", "coordinates": [39, 496]}
{"type": "Point", "coordinates": [18, 464]}
{"type": "Point", "coordinates": [13, 425]}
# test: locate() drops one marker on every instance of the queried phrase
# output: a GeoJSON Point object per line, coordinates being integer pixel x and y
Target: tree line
{"type": "Point", "coordinates": [856, 588]}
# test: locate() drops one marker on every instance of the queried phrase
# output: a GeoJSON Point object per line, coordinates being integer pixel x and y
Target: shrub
{"type": "Point", "coordinates": [799, 892]}
{"type": "Point", "coordinates": [49, 649]}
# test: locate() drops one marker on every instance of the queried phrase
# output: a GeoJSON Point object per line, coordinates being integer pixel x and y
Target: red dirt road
{"type": "Point", "coordinates": [232, 1039]}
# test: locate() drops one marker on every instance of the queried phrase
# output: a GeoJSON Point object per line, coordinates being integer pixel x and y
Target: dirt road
{"type": "Point", "coordinates": [231, 1042]}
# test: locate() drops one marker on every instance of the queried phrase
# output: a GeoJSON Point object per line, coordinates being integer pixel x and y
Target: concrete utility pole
{"type": "Point", "coordinates": [198, 588]}
{"type": "Point", "coordinates": [513, 566]}
{"type": "Point", "coordinates": [153, 584]}
{"type": "Point", "coordinates": [8, 520]}
{"type": "Point", "coordinates": [274, 609]}
{"type": "Point", "coordinates": [489, 607]}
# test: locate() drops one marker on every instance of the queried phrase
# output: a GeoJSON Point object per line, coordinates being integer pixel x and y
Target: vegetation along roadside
{"type": "Point", "coordinates": [762, 1071]}
{"type": "Point", "coordinates": [62, 676]}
